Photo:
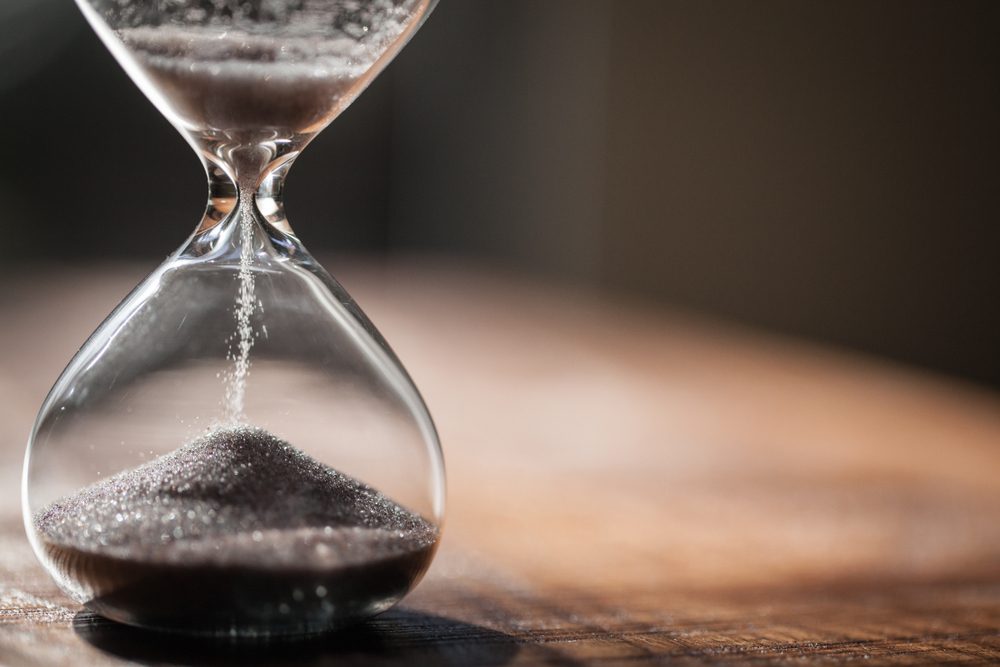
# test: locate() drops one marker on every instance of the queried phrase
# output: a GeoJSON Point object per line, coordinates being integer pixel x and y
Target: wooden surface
{"type": "Point", "coordinates": [626, 487]}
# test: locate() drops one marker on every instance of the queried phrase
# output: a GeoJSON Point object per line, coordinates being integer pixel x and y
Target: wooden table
{"type": "Point", "coordinates": [626, 486]}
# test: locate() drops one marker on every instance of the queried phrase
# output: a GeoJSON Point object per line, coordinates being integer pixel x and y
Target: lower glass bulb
{"type": "Point", "coordinates": [235, 449]}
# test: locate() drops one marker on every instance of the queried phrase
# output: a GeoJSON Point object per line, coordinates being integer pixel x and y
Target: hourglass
{"type": "Point", "coordinates": [236, 449]}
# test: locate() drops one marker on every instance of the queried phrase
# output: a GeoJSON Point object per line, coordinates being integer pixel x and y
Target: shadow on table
{"type": "Point", "coordinates": [398, 637]}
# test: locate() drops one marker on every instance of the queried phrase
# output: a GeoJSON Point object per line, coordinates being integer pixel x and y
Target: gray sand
{"type": "Point", "coordinates": [235, 496]}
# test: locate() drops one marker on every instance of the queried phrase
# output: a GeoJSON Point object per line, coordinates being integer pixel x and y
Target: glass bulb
{"type": "Point", "coordinates": [236, 449]}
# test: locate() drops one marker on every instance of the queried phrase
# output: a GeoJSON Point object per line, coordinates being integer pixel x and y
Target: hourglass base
{"type": "Point", "coordinates": [242, 601]}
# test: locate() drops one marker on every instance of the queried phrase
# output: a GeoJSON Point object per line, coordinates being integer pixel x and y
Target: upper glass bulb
{"type": "Point", "coordinates": [236, 449]}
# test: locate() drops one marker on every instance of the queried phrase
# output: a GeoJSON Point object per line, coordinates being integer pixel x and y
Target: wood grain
{"type": "Point", "coordinates": [626, 486]}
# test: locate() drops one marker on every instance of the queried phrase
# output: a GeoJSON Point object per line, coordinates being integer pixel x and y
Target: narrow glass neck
{"type": "Point", "coordinates": [248, 175]}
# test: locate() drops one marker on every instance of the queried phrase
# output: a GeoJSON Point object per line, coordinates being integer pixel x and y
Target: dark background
{"type": "Point", "coordinates": [826, 169]}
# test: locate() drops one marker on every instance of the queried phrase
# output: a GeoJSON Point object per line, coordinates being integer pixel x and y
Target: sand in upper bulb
{"type": "Point", "coordinates": [281, 79]}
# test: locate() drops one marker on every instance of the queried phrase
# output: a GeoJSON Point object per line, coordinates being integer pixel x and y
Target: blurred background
{"type": "Point", "coordinates": [820, 169]}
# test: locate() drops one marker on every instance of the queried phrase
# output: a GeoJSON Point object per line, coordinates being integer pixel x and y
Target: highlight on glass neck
{"type": "Point", "coordinates": [250, 174]}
